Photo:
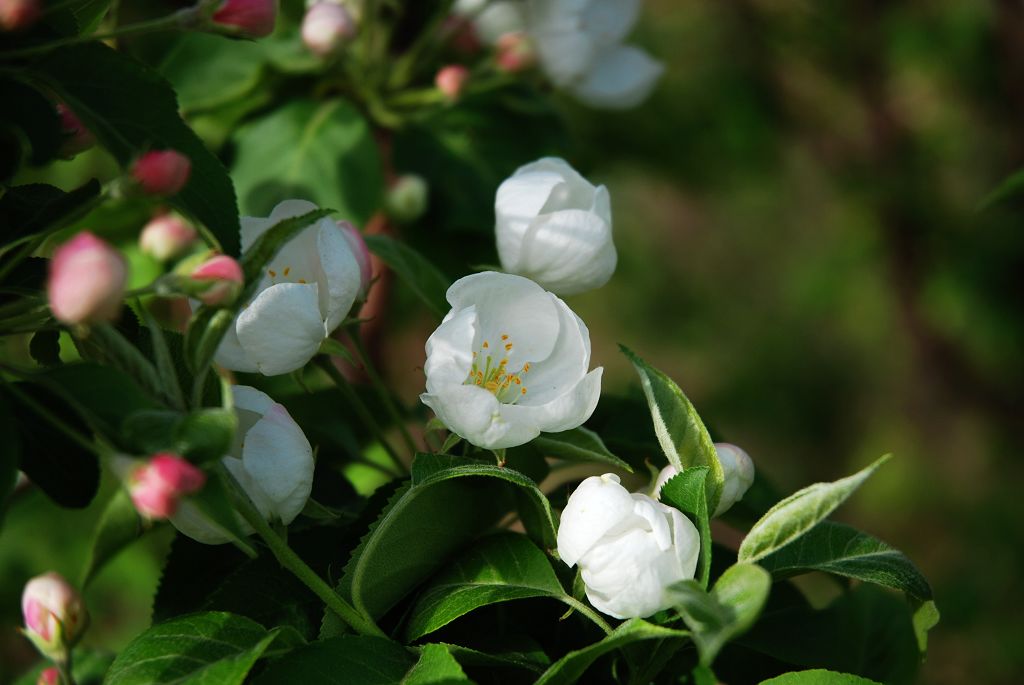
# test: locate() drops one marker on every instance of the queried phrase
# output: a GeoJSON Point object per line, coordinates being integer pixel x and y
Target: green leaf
{"type": "Point", "coordinates": [206, 434]}
{"type": "Point", "coordinates": [818, 676]}
{"type": "Point", "coordinates": [436, 666]}
{"type": "Point", "coordinates": [45, 347]}
{"type": "Point", "coordinates": [105, 345]}
{"type": "Point", "coordinates": [926, 616]}
{"type": "Point", "coordinates": [535, 661]}
{"type": "Point", "coordinates": [211, 648]}
{"type": "Point", "coordinates": [208, 70]}
{"type": "Point", "coordinates": [687, 492]}
{"type": "Point", "coordinates": [318, 151]}
{"type": "Point", "coordinates": [499, 568]}
{"type": "Point", "coordinates": [119, 526]}
{"type": "Point", "coordinates": [422, 277]}
{"type": "Point", "coordinates": [345, 660]}
{"type": "Point", "coordinates": [1012, 186]}
{"type": "Point", "coordinates": [571, 667]}
{"type": "Point", "coordinates": [845, 551]}
{"type": "Point", "coordinates": [27, 110]}
{"type": "Point", "coordinates": [37, 207]}
{"type": "Point", "coordinates": [578, 444]}
{"type": "Point", "coordinates": [169, 382]}
{"type": "Point", "coordinates": [730, 609]}
{"type": "Point", "coordinates": [131, 109]}
{"type": "Point", "coordinates": [682, 435]}
{"type": "Point", "coordinates": [798, 513]}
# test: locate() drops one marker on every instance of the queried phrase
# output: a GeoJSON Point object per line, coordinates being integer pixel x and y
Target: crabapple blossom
{"type": "Point", "coordinates": [327, 27]}
{"type": "Point", "coordinates": [451, 79]}
{"type": "Point", "coordinates": [304, 294]}
{"type": "Point", "coordinates": [509, 361]}
{"type": "Point", "coordinates": [252, 18]}
{"type": "Point", "coordinates": [158, 485]}
{"type": "Point", "coordinates": [162, 172]}
{"type": "Point", "coordinates": [166, 236]}
{"type": "Point", "coordinates": [271, 459]}
{"type": "Point", "coordinates": [86, 280]}
{"type": "Point", "coordinates": [555, 227]}
{"type": "Point", "coordinates": [737, 468]}
{"type": "Point", "coordinates": [54, 614]}
{"type": "Point", "coordinates": [221, 278]}
{"type": "Point", "coordinates": [630, 548]}
{"type": "Point", "coordinates": [77, 138]}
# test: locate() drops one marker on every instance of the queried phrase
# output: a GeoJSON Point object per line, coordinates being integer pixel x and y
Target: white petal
{"type": "Point", "coordinates": [254, 227]}
{"type": "Point", "coordinates": [565, 50]}
{"type": "Point", "coordinates": [467, 410]}
{"type": "Point", "coordinates": [230, 353]}
{"type": "Point", "coordinates": [569, 410]}
{"type": "Point", "coordinates": [281, 329]}
{"type": "Point", "coordinates": [341, 274]}
{"type": "Point", "coordinates": [248, 398]}
{"type": "Point", "coordinates": [620, 78]}
{"type": "Point", "coordinates": [625, 576]}
{"type": "Point", "coordinates": [449, 350]}
{"type": "Point", "coordinates": [599, 504]}
{"type": "Point", "coordinates": [685, 543]}
{"type": "Point", "coordinates": [498, 18]}
{"type": "Point", "coordinates": [565, 366]}
{"type": "Point", "coordinates": [738, 472]}
{"type": "Point", "coordinates": [518, 202]}
{"type": "Point", "coordinates": [609, 21]}
{"type": "Point", "coordinates": [569, 252]}
{"type": "Point", "coordinates": [190, 521]}
{"type": "Point", "coordinates": [280, 460]}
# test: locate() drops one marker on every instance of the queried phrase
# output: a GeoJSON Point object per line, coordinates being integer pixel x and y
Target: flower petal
{"type": "Point", "coordinates": [569, 251]}
{"type": "Point", "coordinates": [620, 78]}
{"type": "Point", "coordinates": [518, 202]}
{"type": "Point", "coordinates": [599, 504]}
{"type": "Point", "coordinates": [340, 275]}
{"type": "Point", "coordinates": [281, 329]}
{"type": "Point", "coordinates": [230, 353]}
{"type": "Point", "coordinates": [609, 21]}
{"type": "Point", "coordinates": [253, 227]}
{"type": "Point", "coordinates": [449, 350]}
{"type": "Point", "coordinates": [279, 459]}
{"type": "Point", "coordinates": [569, 410]}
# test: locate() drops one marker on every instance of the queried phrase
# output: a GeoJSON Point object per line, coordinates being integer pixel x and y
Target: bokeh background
{"type": "Point", "coordinates": [805, 248]}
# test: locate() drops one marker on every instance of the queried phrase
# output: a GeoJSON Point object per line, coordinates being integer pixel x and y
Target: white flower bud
{"type": "Point", "coordinates": [327, 27]}
{"type": "Point", "coordinates": [407, 197]}
{"type": "Point", "coordinates": [737, 469]}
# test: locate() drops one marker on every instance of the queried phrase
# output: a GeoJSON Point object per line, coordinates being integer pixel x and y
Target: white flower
{"type": "Point", "coordinates": [271, 459]}
{"type": "Point", "coordinates": [737, 467]}
{"type": "Point", "coordinates": [492, 19]}
{"type": "Point", "coordinates": [554, 227]}
{"type": "Point", "coordinates": [629, 547]}
{"type": "Point", "coordinates": [579, 43]}
{"type": "Point", "coordinates": [509, 361]}
{"type": "Point", "coordinates": [305, 292]}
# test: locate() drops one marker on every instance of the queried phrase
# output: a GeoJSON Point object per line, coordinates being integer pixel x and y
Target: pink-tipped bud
{"type": "Point", "coordinates": [253, 18]}
{"type": "Point", "coordinates": [515, 52]}
{"type": "Point", "coordinates": [362, 254]}
{"type": "Point", "coordinates": [54, 614]}
{"type": "Point", "coordinates": [327, 27]}
{"type": "Point", "coordinates": [220, 279]}
{"type": "Point", "coordinates": [451, 79]}
{"type": "Point", "coordinates": [86, 281]}
{"type": "Point", "coordinates": [162, 172]}
{"type": "Point", "coordinates": [157, 486]}
{"type": "Point", "coordinates": [77, 138]}
{"type": "Point", "coordinates": [17, 15]}
{"type": "Point", "coordinates": [49, 676]}
{"type": "Point", "coordinates": [166, 236]}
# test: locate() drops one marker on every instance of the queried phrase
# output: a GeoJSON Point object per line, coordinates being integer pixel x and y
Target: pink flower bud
{"type": "Point", "coordinates": [221, 278]}
{"type": "Point", "coordinates": [16, 15]}
{"type": "Point", "coordinates": [49, 676]}
{"type": "Point", "coordinates": [451, 79]}
{"type": "Point", "coordinates": [86, 281]}
{"type": "Point", "coordinates": [158, 485]}
{"type": "Point", "coordinates": [515, 52]}
{"type": "Point", "coordinates": [54, 614]}
{"type": "Point", "coordinates": [162, 172]}
{"type": "Point", "coordinates": [327, 27]}
{"type": "Point", "coordinates": [77, 138]}
{"type": "Point", "coordinates": [166, 236]}
{"type": "Point", "coordinates": [362, 254]}
{"type": "Point", "coordinates": [253, 18]}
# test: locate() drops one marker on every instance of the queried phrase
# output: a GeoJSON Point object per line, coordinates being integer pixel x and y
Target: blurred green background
{"type": "Point", "coordinates": [801, 244]}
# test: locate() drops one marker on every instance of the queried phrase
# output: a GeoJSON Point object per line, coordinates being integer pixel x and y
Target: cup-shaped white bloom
{"type": "Point", "coordinates": [630, 548]}
{"type": "Point", "coordinates": [270, 458]}
{"type": "Point", "coordinates": [579, 43]}
{"type": "Point", "coordinates": [508, 362]}
{"type": "Point", "coordinates": [304, 293]}
{"type": "Point", "coordinates": [737, 469]}
{"type": "Point", "coordinates": [555, 227]}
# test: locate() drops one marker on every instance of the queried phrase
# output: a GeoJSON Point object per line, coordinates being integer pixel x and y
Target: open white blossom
{"type": "Point", "coordinates": [271, 459]}
{"type": "Point", "coordinates": [737, 468]}
{"type": "Point", "coordinates": [580, 46]}
{"type": "Point", "coordinates": [508, 362]}
{"type": "Point", "coordinates": [303, 295]}
{"type": "Point", "coordinates": [555, 227]}
{"type": "Point", "coordinates": [630, 548]}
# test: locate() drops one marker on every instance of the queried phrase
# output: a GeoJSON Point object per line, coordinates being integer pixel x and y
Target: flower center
{"type": "Point", "coordinates": [285, 275]}
{"type": "Point", "coordinates": [494, 376]}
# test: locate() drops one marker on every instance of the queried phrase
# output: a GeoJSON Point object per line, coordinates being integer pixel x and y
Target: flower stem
{"type": "Point", "coordinates": [588, 612]}
{"type": "Point", "coordinates": [382, 391]}
{"type": "Point", "coordinates": [294, 563]}
{"type": "Point", "coordinates": [365, 415]}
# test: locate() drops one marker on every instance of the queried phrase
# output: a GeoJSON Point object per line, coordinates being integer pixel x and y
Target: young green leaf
{"type": "Point", "coordinates": [818, 676]}
{"type": "Point", "coordinates": [578, 444]}
{"type": "Point", "coordinates": [436, 666]}
{"type": "Point", "coordinates": [798, 513]}
{"type": "Point", "coordinates": [421, 276]}
{"type": "Point", "coordinates": [345, 660]}
{"type": "Point", "coordinates": [687, 493]}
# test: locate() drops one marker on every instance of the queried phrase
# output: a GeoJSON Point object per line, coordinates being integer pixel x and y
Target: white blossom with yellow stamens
{"type": "Point", "coordinates": [509, 361]}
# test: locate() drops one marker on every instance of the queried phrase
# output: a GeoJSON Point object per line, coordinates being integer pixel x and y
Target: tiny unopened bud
{"type": "Point", "coordinates": [17, 15]}
{"type": "Point", "coordinates": [162, 172]}
{"type": "Point", "coordinates": [54, 614]}
{"type": "Point", "coordinates": [49, 676]}
{"type": "Point", "coordinates": [252, 18]}
{"type": "Point", "coordinates": [166, 236]}
{"type": "Point", "coordinates": [450, 80]}
{"type": "Point", "coordinates": [157, 486]}
{"type": "Point", "coordinates": [327, 27]}
{"type": "Point", "coordinates": [86, 281]}
{"type": "Point", "coordinates": [362, 254]}
{"type": "Point", "coordinates": [77, 138]}
{"type": "Point", "coordinates": [219, 279]}
{"type": "Point", "coordinates": [515, 52]}
{"type": "Point", "coordinates": [737, 476]}
{"type": "Point", "coordinates": [407, 198]}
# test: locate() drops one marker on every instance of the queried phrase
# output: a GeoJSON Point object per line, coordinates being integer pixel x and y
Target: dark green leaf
{"type": "Point", "coordinates": [798, 513]}
{"type": "Point", "coordinates": [106, 345]}
{"type": "Point", "coordinates": [578, 444]}
{"type": "Point", "coordinates": [35, 208]}
{"type": "Point", "coordinates": [45, 347]}
{"type": "Point", "coordinates": [818, 677]}
{"type": "Point", "coordinates": [119, 526]}
{"type": "Point", "coordinates": [436, 666]}
{"type": "Point", "coordinates": [1010, 187]}
{"type": "Point", "coordinates": [535, 661]}
{"type": "Point", "coordinates": [499, 568]}
{"type": "Point", "coordinates": [422, 277]}
{"type": "Point", "coordinates": [687, 493]}
{"type": "Point", "coordinates": [345, 660]}
{"type": "Point", "coordinates": [209, 71]}
{"type": "Point", "coordinates": [206, 434]}
{"type": "Point", "coordinates": [10, 448]}
{"type": "Point", "coordinates": [29, 111]}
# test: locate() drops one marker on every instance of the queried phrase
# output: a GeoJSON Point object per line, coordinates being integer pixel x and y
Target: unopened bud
{"type": "Point", "coordinates": [407, 198]}
{"type": "Point", "coordinates": [54, 614]}
{"type": "Point", "coordinates": [327, 27]}
{"type": "Point", "coordinates": [252, 18]}
{"type": "Point", "coordinates": [157, 486]}
{"type": "Point", "coordinates": [162, 172]}
{"type": "Point", "coordinates": [17, 15]}
{"type": "Point", "coordinates": [450, 80]}
{"type": "Point", "coordinates": [77, 138]}
{"type": "Point", "coordinates": [166, 236]}
{"type": "Point", "coordinates": [737, 472]}
{"type": "Point", "coordinates": [362, 254]}
{"type": "Point", "coordinates": [462, 35]}
{"type": "Point", "coordinates": [86, 281]}
{"type": "Point", "coordinates": [219, 279]}
{"type": "Point", "coordinates": [515, 52]}
{"type": "Point", "coordinates": [49, 676]}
